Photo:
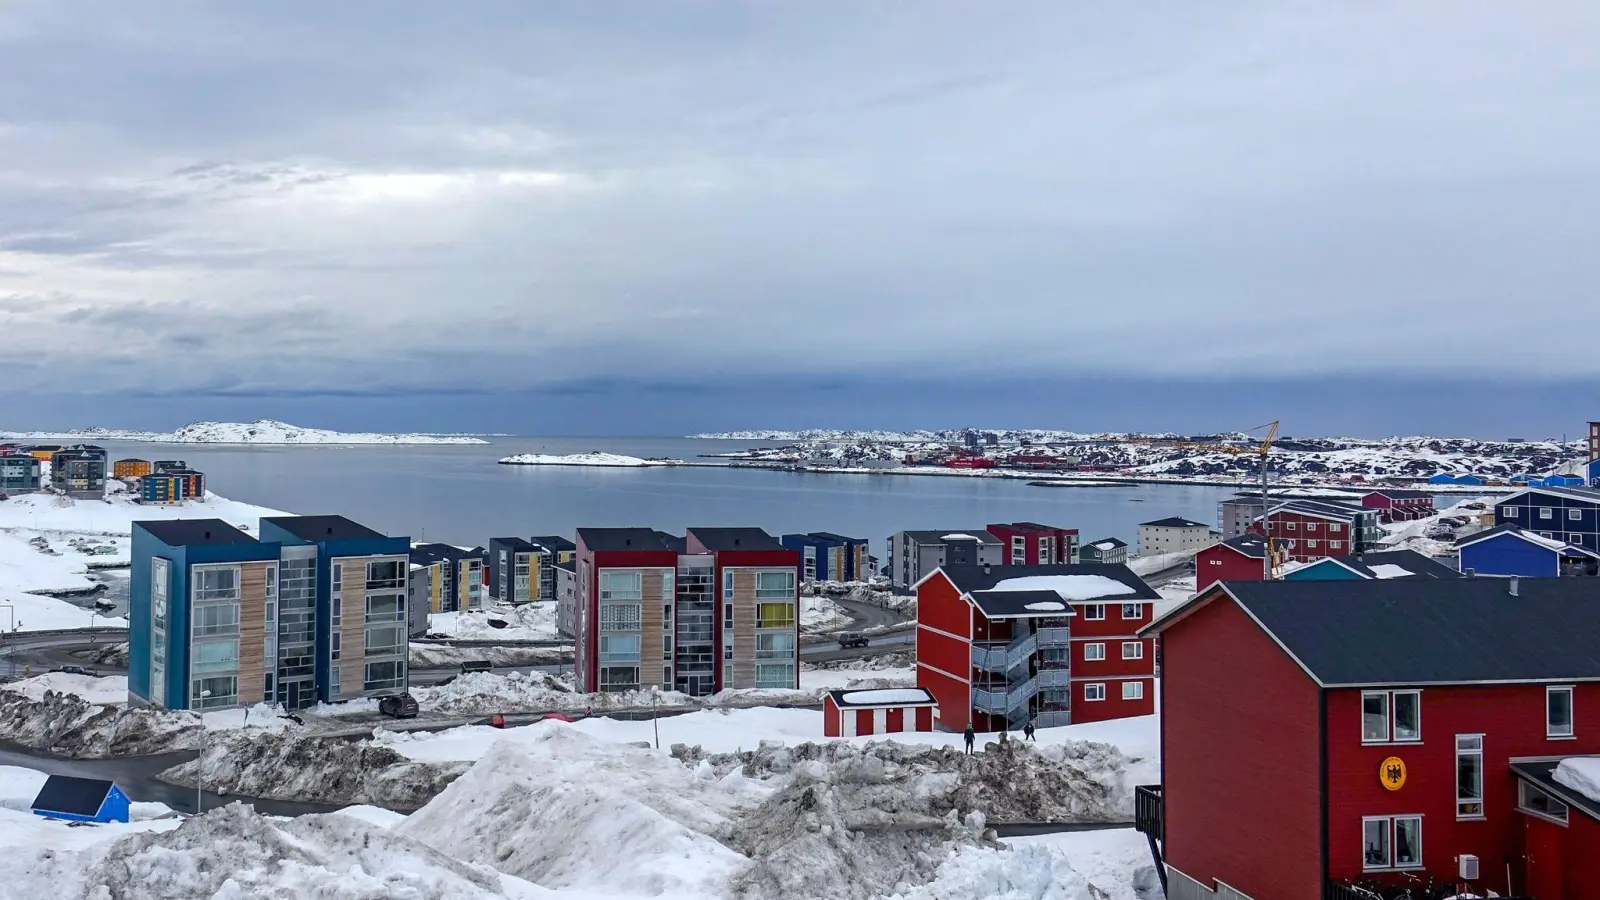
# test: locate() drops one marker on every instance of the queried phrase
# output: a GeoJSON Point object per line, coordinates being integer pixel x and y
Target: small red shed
{"type": "Point", "coordinates": [1235, 559]}
{"type": "Point", "coordinates": [883, 711]}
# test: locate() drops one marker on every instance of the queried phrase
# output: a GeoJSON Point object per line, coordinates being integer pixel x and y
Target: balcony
{"type": "Point", "coordinates": [1054, 718]}
{"type": "Point", "coordinates": [1054, 678]}
{"type": "Point", "coordinates": [996, 657]}
{"type": "Point", "coordinates": [1147, 810]}
{"type": "Point", "coordinates": [1054, 637]}
{"type": "Point", "coordinates": [1002, 702]}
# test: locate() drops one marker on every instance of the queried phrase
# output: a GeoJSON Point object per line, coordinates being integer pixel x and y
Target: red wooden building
{"type": "Point", "coordinates": [1032, 544]}
{"type": "Point", "coordinates": [1316, 733]}
{"type": "Point", "coordinates": [1235, 559]}
{"type": "Point", "coordinates": [891, 711]}
{"type": "Point", "coordinates": [1312, 530]}
{"type": "Point", "coordinates": [1397, 505]}
{"type": "Point", "coordinates": [999, 645]}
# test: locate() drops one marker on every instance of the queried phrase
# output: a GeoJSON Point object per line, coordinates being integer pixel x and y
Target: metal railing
{"type": "Point", "coordinates": [1147, 809]}
{"type": "Point", "coordinates": [1006, 658]}
{"type": "Point", "coordinates": [1054, 718]}
{"type": "Point", "coordinates": [1054, 678]}
{"type": "Point", "coordinates": [1003, 701]}
{"type": "Point", "coordinates": [1054, 637]}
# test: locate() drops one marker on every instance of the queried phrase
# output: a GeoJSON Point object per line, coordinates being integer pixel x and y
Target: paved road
{"type": "Point", "coordinates": [1024, 829]}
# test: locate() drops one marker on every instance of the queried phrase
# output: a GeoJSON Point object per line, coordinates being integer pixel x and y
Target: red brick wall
{"type": "Point", "coordinates": [1240, 757]}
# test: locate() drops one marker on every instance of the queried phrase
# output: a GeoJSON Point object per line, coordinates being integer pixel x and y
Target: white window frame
{"type": "Point", "coordinates": [1575, 515]}
{"type": "Point", "coordinates": [1095, 652]}
{"type": "Point", "coordinates": [1546, 512]}
{"type": "Point", "coordinates": [1138, 610]}
{"type": "Point", "coordinates": [1390, 731]}
{"type": "Point", "coordinates": [1094, 612]}
{"type": "Point", "coordinates": [1391, 831]}
{"type": "Point", "coordinates": [1510, 512]}
{"type": "Point", "coordinates": [1311, 545]}
{"type": "Point", "coordinates": [1336, 545]}
{"type": "Point", "coordinates": [1135, 648]}
{"type": "Point", "coordinates": [1137, 692]}
{"type": "Point", "coordinates": [1524, 788]}
{"type": "Point", "coordinates": [1473, 748]}
{"type": "Point", "coordinates": [1394, 726]}
{"type": "Point", "coordinates": [1335, 528]}
{"type": "Point", "coordinates": [1091, 689]}
{"type": "Point", "coordinates": [1311, 526]}
{"type": "Point", "coordinates": [1572, 713]}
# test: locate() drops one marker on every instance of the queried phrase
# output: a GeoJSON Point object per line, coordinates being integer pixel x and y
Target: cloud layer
{"type": "Point", "coordinates": [296, 197]}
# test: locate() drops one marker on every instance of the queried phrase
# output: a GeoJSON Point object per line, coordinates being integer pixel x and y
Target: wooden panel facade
{"type": "Point", "coordinates": [352, 626]}
{"type": "Point", "coordinates": [744, 628]}
{"type": "Point", "coordinates": [653, 593]}
{"type": "Point", "coordinates": [253, 631]}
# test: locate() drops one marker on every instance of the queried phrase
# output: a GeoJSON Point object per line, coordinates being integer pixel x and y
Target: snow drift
{"type": "Point", "coordinates": [69, 725]}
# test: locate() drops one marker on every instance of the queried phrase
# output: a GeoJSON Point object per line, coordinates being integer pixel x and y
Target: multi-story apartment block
{"type": "Point", "coordinates": [1032, 544]}
{"type": "Point", "coordinates": [1310, 530]}
{"type": "Point", "coordinates": [712, 610]}
{"type": "Point", "coordinates": [523, 571]}
{"type": "Point", "coordinates": [79, 473]}
{"type": "Point", "coordinates": [131, 467]}
{"type": "Point", "coordinates": [1110, 551]}
{"type": "Point", "coordinates": [999, 646]}
{"type": "Point", "coordinates": [342, 625]}
{"type": "Point", "coordinates": [825, 556]}
{"type": "Point", "coordinates": [1174, 534]}
{"type": "Point", "coordinates": [19, 474]}
{"type": "Point", "coordinates": [460, 577]}
{"type": "Point", "coordinates": [567, 598]}
{"type": "Point", "coordinates": [914, 554]}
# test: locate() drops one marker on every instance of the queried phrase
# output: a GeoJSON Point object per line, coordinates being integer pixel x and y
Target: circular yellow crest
{"type": "Point", "coordinates": [1392, 772]}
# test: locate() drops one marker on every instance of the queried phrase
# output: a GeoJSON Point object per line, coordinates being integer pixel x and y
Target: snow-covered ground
{"type": "Point", "coordinates": [109, 689]}
{"type": "Point", "coordinates": [261, 431]}
{"type": "Point", "coordinates": [528, 622]}
{"type": "Point", "coordinates": [820, 614]}
{"type": "Point", "coordinates": [595, 459]}
{"type": "Point", "coordinates": [838, 679]}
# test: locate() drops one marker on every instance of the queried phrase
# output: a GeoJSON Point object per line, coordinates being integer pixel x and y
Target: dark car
{"type": "Point", "coordinates": [476, 665]}
{"type": "Point", "coordinates": [398, 706]}
{"type": "Point", "coordinates": [75, 670]}
{"type": "Point", "coordinates": [853, 639]}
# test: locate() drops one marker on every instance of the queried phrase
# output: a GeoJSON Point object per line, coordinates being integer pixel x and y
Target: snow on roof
{"type": "Point", "coordinates": [1390, 570]}
{"type": "Point", "coordinates": [1581, 773]}
{"type": "Point", "coordinates": [1067, 587]}
{"type": "Point", "coordinates": [1045, 605]}
{"type": "Point", "coordinates": [1543, 541]}
{"type": "Point", "coordinates": [885, 697]}
{"type": "Point", "coordinates": [958, 537]}
{"type": "Point", "coordinates": [1107, 545]}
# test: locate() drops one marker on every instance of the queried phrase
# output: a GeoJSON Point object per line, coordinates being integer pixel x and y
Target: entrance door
{"type": "Point", "coordinates": [1542, 843]}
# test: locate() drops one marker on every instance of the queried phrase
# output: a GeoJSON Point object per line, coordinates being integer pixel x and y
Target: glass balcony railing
{"type": "Point", "coordinates": [1004, 657]}
{"type": "Point", "coordinates": [1054, 637]}
{"type": "Point", "coordinates": [1049, 678]}
{"type": "Point", "coordinates": [1001, 702]}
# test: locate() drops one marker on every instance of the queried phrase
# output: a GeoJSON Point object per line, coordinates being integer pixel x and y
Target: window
{"type": "Point", "coordinates": [1575, 538]}
{"type": "Point", "coordinates": [770, 675]}
{"type": "Point", "coordinates": [215, 656]}
{"type": "Point", "coordinates": [335, 690]}
{"type": "Point", "coordinates": [385, 640]}
{"type": "Point", "coordinates": [216, 618]}
{"type": "Point", "coordinates": [1575, 514]}
{"type": "Point", "coordinates": [775, 615]}
{"type": "Point", "coordinates": [1094, 691]}
{"type": "Point", "coordinates": [338, 577]}
{"type": "Point", "coordinates": [621, 616]}
{"type": "Point", "coordinates": [1391, 715]}
{"type": "Point", "coordinates": [1019, 550]}
{"type": "Point", "coordinates": [1336, 545]}
{"type": "Point", "coordinates": [387, 573]}
{"type": "Point", "coordinates": [1532, 800]}
{"type": "Point", "coordinates": [336, 646]}
{"type": "Point", "coordinates": [1311, 544]}
{"type": "Point", "coordinates": [774, 585]}
{"type": "Point", "coordinates": [384, 675]}
{"type": "Point", "coordinates": [1469, 776]}
{"type": "Point", "coordinates": [158, 590]}
{"type": "Point", "coordinates": [621, 586]}
{"type": "Point", "coordinates": [216, 584]}
{"type": "Point", "coordinates": [1509, 512]}
{"type": "Point", "coordinates": [1094, 652]}
{"type": "Point", "coordinates": [1291, 525]}
{"type": "Point", "coordinates": [619, 648]}
{"type": "Point", "coordinates": [1546, 512]}
{"type": "Point", "coordinates": [1558, 712]}
{"type": "Point", "coordinates": [727, 584]}
{"type": "Point", "coordinates": [1335, 528]}
{"type": "Point", "coordinates": [619, 678]}
{"type": "Point", "coordinates": [1132, 610]}
{"type": "Point", "coordinates": [1391, 842]}
{"type": "Point", "coordinates": [1094, 612]}
{"type": "Point", "coordinates": [1046, 548]}
{"type": "Point", "coordinates": [214, 693]}
{"type": "Point", "coordinates": [1133, 690]}
{"type": "Point", "coordinates": [1132, 650]}
{"type": "Point", "coordinates": [775, 645]}
{"type": "Point", "coordinates": [1311, 526]}
{"type": "Point", "coordinates": [386, 608]}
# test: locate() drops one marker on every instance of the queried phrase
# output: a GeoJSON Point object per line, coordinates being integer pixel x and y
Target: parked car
{"type": "Point", "coordinates": [398, 706]}
{"type": "Point", "coordinates": [75, 670]}
{"type": "Point", "coordinates": [850, 639]}
{"type": "Point", "coordinates": [476, 665]}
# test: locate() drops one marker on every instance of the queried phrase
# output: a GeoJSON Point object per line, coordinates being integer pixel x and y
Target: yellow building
{"type": "Point", "coordinates": [130, 468]}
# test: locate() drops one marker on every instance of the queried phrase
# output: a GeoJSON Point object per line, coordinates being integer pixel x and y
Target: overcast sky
{"type": "Point", "coordinates": [275, 208]}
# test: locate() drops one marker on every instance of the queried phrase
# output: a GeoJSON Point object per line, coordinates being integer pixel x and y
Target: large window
{"type": "Point", "coordinates": [1391, 716]}
{"type": "Point", "coordinates": [1133, 650]}
{"type": "Point", "coordinates": [1133, 690]}
{"type": "Point", "coordinates": [619, 648]}
{"type": "Point", "coordinates": [1019, 549]}
{"type": "Point", "coordinates": [214, 693]}
{"type": "Point", "coordinates": [384, 574]}
{"type": "Point", "coordinates": [386, 608]}
{"type": "Point", "coordinates": [215, 656]}
{"type": "Point", "coordinates": [775, 645]}
{"type": "Point", "coordinates": [216, 618]}
{"type": "Point", "coordinates": [1094, 652]}
{"type": "Point", "coordinates": [159, 578]}
{"type": "Point", "coordinates": [384, 675]}
{"type": "Point", "coordinates": [1469, 776]}
{"type": "Point", "coordinates": [774, 675]}
{"type": "Point", "coordinates": [1391, 842]}
{"type": "Point", "coordinates": [621, 616]}
{"type": "Point", "coordinates": [619, 678]}
{"type": "Point", "coordinates": [1094, 691]}
{"type": "Point", "coordinates": [775, 615]}
{"type": "Point", "coordinates": [385, 640]}
{"type": "Point", "coordinates": [216, 584]}
{"type": "Point", "coordinates": [1532, 800]}
{"type": "Point", "coordinates": [1558, 712]}
{"type": "Point", "coordinates": [1133, 610]}
{"type": "Point", "coordinates": [1094, 612]}
{"type": "Point", "coordinates": [621, 586]}
{"type": "Point", "coordinates": [774, 585]}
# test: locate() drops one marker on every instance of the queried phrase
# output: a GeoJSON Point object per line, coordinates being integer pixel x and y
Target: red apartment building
{"type": "Point", "coordinates": [1311, 530]}
{"type": "Point", "coordinates": [1032, 544]}
{"type": "Point", "coordinates": [999, 645]}
{"type": "Point", "coordinates": [1399, 506]}
{"type": "Point", "coordinates": [1316, 733]}
{"type": "Point", "coordinates": [714, 609]}
{"type": "Point", "coordinates": [1236, 559]}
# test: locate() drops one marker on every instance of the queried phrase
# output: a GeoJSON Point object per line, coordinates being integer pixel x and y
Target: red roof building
{"type": "Point", "coordinates": [1000, 645]}
{"type": "Point", "coordinates": [1317, 733]}
{"type": "Point", "coordinates": [1399, 506]}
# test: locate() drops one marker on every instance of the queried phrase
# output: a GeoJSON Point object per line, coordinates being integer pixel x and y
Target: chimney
{"type": "Point", "coordinates": [1516, 586]}
{"type": "Point", "coordinates": [986, 568]}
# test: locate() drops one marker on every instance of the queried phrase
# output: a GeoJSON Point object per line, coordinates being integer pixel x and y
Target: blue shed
{"type": "Point", "coordinates": [1472, 480]}
{"type": "Point", "coordinates": [81, 800]}
{"type": "Point", "coordinates": [1509, 550]}
{"type": "Point", "coordinates": [1561, 481]}
{"type": "Point", "coordinates": [1593, 469]}
{"type": "Point", "coordinates": [1441, 478]}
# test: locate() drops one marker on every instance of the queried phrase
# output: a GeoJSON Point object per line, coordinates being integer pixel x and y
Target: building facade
{"type": "Point", "coordinates": [523, 571]}
{"type": "Point", "coordinates": [999, 646]}
{"type": "Point", "coordinates": [1510, 550]}
{"type": "Point", "coordinates": [20, 473]}
{"type": "Point", "coordinates": [913, 554]}
{"type": "Point", "coordinates": [712, 610]}
{"type": "Point", "coordinates": [1569, 515]}
{"type": "Point", "coordinates": [1241, 558]}
{"type": "Point", "coordinates": [130, 468]}
{"type": "Point", "coordinates": [1107, 551]}
{"type": "Point", "coordinates": [460, 575]}
{"type": "Point", "coordinates": [1032, 544]}
{"type": "Point", "coordinates": [1398, 731]}
{"type": "Point", "coordinates": [890, 711]}
{"type": "Point", "coordinates": [1173, 535]}
{"type": "Point", "coordinates": [567, 598]}
{"type": "Point", "coordinates": [1311, 530]}
{"type": "Point", "coordinates": [1397, 505]}
{"type": "Point", "coordinates": [825, 556]}
{"type": "Point", "coordinates": [79, 473]}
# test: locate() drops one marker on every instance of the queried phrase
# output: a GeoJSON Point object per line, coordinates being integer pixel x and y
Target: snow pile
{"type": "Point", "coordinates": [865, 678]}
{"type": "Point", "coordinates": [111, 689]}
{"type": "Point", "coordinates": [429, 656]}
{"type": "Point", "coordinates": [25, 568]}
{"type": "Point", "coordinates": [820, 614]}
{"type": "Point", "coordinates": [959, 537]}
{"type": "Point", "coordinates": [293, 765]}
{"type": "Point", "coordinates": [566, 810]}
{"type": "Point", "coordinates": [261, 431]}
{"type": "Point", "coordinates": [1046, 606]}
{"type": "Point", "coordinates": [1389, 570]}
{"type": "Point", "coordinates": [1068, 587]}
{"type": "Point", "coordinates": [484, 693]}
{"type": "Point", "coordinates": [116, 514]}
{"type": "Point", "coordinates": [528, 622]}
{"type": "Point", "coordinates": [596, 459]}
{"type": "Point", "coordinates": [69, 725]}
{"type": "Point", "coordinates": [1025, 873]}
{"type": "Point", "coordinates": [1581, 773]}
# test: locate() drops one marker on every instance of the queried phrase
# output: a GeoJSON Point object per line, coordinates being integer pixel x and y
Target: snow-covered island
{"type": "Point", "coordinates": [595, 459]}
{"type": "Point", "coordinates": [263, 431]}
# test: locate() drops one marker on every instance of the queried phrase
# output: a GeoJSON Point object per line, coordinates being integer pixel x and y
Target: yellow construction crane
{"type": "Point", "coordinates": [1269, 555]}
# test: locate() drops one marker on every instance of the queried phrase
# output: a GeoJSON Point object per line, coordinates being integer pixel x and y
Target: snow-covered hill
{"type": "Point", "coordinates": [264, 431]}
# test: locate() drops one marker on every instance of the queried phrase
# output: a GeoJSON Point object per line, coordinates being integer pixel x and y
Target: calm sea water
{"type": "Point", "coordinates": [457, 493]}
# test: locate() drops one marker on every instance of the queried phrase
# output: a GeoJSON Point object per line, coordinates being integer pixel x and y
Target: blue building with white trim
{"type": "Point", "coordinates": [825, 556]}
{"type": "Point", "coordinates": [81, 800]}
{"type": "Point", "coordinates": [1570, 515]}
{"type": "Point", "coordinates": [1512, 550]}
{"type": "Point", "coordinates": [1380, 566]}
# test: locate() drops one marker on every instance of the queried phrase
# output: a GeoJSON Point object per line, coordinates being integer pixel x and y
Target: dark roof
{"type": "Point", "coordinates": [981, 535]}
{"type": "Point", "coordinates": [1251, 545]}
{"type": "Point", "coordinates": [1029, 527]}
{"type": "Point", "coordinates": [512, 543]}
{"type": "Point", "coordinates": [553, 542]}
{"type": "Point", "coordinates": [1588, 495]}
{"type": "Point", "coordinates": [570, 565]}
{"type": "Point", "coordinates": [72, 796]}
{"type": "Point", "coordinates": [195, 532]}
{"type": "Point", "coordinates": [1394, 494]}
{"type": "Point", "coordinates": [1114, 542]}
{"type": "Point", "coordinates": [427, 554]}
{"type": "Point", "coordinates": [1175, 522]}
{"type": "Point", "coordinates": [1424, 631]}
{"type": "Point", "coordinates": [1418, 565]}
{"type": "Point", "coordinates": [838, 698]}
{"type": "Point", "coordinates": [1016, 604]}
{"type": "Point", "coordinates": [1541, 773]}
{"type": "Point", "coordinates": [626, 539]}
{"type": "Point", "coordinates": [970, 579]}
{"type": "Point", "coordinates": [830, 536]}
{"type": "Point", "coordinates": [719, 539]}
{"type": "Point", "coordinates": [324, 528]}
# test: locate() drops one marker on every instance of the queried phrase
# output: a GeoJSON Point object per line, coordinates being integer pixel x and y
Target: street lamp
{"type": "Point", "coordinates": [200, 762]}
{"type": "Point", "coordinates": [11, 636]}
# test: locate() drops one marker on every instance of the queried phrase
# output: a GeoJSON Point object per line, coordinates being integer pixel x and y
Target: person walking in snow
{"type": "Point", "coordinates": [969, 735]}
{"type": "Point", "coordinates": [1027, 731]}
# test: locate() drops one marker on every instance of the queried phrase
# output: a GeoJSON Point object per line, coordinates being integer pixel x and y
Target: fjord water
{"type": "Point", "coordinates": [458, 494]}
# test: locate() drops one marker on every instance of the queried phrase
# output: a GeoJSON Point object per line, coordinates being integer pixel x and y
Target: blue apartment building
{"type": "Point", "coordinates": [312, 610]}
{"type": "Point", "coordinates": [825, 556]}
